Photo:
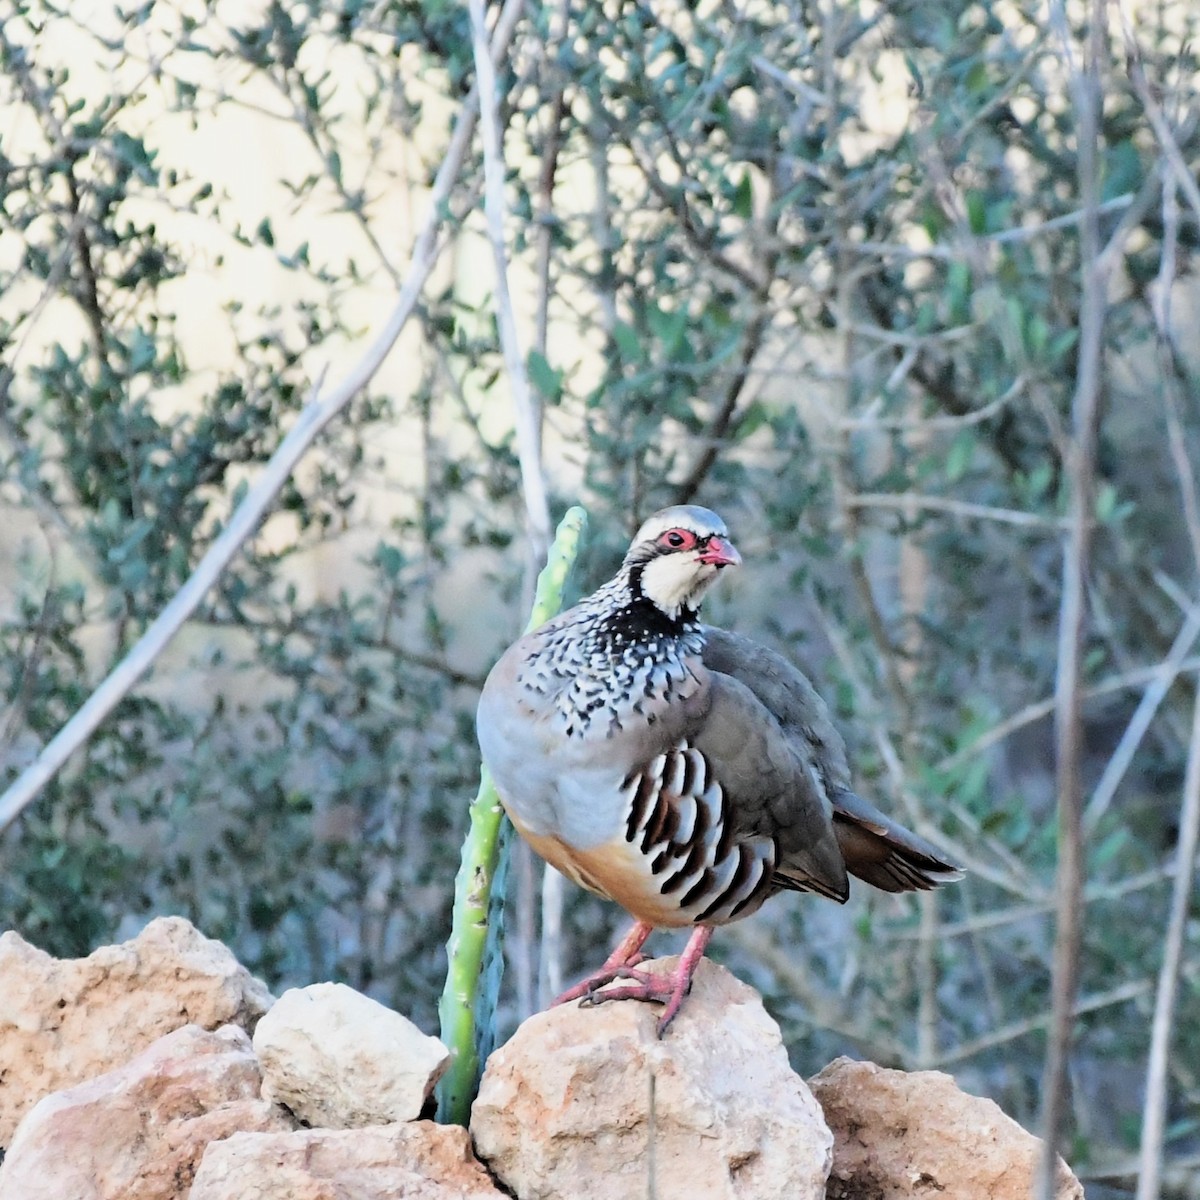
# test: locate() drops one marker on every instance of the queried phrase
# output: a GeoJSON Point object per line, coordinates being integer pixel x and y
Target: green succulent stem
{"type": "Point", "coordinates": [468, 1004]}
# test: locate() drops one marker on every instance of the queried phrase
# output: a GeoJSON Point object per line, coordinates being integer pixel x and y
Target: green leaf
{"type": "Point", "coordinates": [390, 559]}
{"type": "Point", "coordinates": [142, 351]}
{"type": "Point", "coordinates": [976, 211]}
{"type": "Point", "coordinates": [1110, 847]}
{"type": "Point", "coordinates": [962, 451]}
{"type": "Point", "coordinates": [743, 197]}
{"type": "Point", "coordinates": [959, 285]}
{"type": "Point", "coordinates": [1062, 345]}
{"type": "Point", "coordinates": [669, 326]}
{"type": "Point", "coordinates": [629, 345]}
{"type": "Point", "coordinates": [1106, 503]}
{"type": "Point", "coordinates": [1037, 336]}
{"type": "Point", "coordinates": [544, 377]}
{"type": "Point", "coordinates": [1039, 480]}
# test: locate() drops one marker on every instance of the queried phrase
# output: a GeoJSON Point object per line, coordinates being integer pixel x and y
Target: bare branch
{"type": "Point", "coordinates": [1154, 1112]}
{"type": "Point", "coordinates": [316, 414]}
{"type": "Point", "coordinates": [528, 416]}
{"type": "Point", "coordinates": [1038, 711]}
{"type": "Point", "coordinates": [870, 422]}
{"type": "Point", "coordinates": [1131, 739]}
{"type": "Point", "coordinates": [1167, 142]}
{"type": "Point", "coordinates": [741, 391]}
{"type": "Point", "coordinates": [527, 411]}
{"type": "Point", "coordinates": [909, 502]}
{"type": "Point", "coordinates": [1079, 469]}
{"type": "Point", "coordinates": [1178, 1180]}
{"type": "Point", "coordinates": [544, 238]}
{"type": "Point", "coordinates": [1016, 880]}
{"type": "Point", "coordinates": [1168, 360]}
{"type": "Point", "coordinates": [1121, 994]}
{"type": "Point", "coordinates": [1020, 233]}
{"type": "Point", "coordinates": [821, 1009]}
{"type": "Point", "coordinates": [997, 918]}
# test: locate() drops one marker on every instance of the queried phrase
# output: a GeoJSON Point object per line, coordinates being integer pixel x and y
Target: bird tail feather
{"type": "Point", "coordinates": [883, 853]}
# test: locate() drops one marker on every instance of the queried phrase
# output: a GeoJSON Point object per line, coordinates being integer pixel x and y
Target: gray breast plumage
{"type": "Point", "coordinates": [573, 706]}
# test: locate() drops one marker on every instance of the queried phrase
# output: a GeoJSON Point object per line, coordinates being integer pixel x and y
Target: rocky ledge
{"type": "Point", "coordinates": [161, 1070]}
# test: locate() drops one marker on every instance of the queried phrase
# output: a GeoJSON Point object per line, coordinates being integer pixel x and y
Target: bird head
{"type": "Point", "coordinates": [676, 556]}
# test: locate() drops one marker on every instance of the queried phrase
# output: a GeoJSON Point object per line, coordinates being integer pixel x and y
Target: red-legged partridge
{"type": "Point", "coordinates": [685, 772]}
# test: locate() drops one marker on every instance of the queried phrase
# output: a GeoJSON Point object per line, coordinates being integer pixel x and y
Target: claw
{"type": "Point", "coordinates": [592, 995]}
{"type": "Point", "coordinates": [669, 989]}
{"type": "Point", "coordinates": [626, 956]}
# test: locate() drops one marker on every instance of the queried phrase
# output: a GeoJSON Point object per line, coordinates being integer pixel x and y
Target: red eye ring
{"type": "Point", "coordinates": [677, 539]}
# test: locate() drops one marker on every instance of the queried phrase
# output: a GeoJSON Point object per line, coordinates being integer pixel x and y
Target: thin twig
{"type": "Point", "coordinates": [1079, 469]}
{"type": "Point", "coordinates": [1093, 894]}
{"type": "Point", "coordinates": [897, 337]}
{"type": "Point", "coordinates": [1155, 1111]}
{"type": "Point", "coordinates": [798, 88]}
{"type": "Point", "coordinates": [526, 410]}
{"type": "Point", "coordinates": [821, 1009]}
{"type": "Point", "coordinates": [1016, 880]}
{"type": "Point", "coordinates": [675, 198]}
{"type": "Point", "coordinates": [1027, 1025]}
{"type": "Point", "coordinates": [845, 493]}
{"type": "Point", "coordinates": [1020, 233]}
{"type": "Point", "coordinates": [1135, 677]}
{"type": "Point", "coordinates": [904, 501]}
{"type": "Point", "coordinates": [1167, 142]}
{"type": "Point", "coordinates": [1131, 739]}
{"type": "Point", "coordinates": [873, 423]}
{"type": "Point", "coordinates": [1024, 233]}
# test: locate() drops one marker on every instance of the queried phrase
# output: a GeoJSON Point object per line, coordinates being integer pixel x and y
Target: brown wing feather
{"type": "Point", "coordinates": [883, 853]}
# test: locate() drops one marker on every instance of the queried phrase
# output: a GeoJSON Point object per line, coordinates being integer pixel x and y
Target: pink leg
{"type": "Point", "coordinates": [618, 965]}
{"type": "Point", "coordinates": [671, 988]}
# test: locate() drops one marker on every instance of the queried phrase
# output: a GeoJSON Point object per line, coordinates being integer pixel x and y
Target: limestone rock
{"type": "Point", "coordinates": [138, 1132]}
{"type": "Point", "coordinates": [340, 1060]}
{"type": "Point", "coordinates": [413, 1161]}
{"type": "Point", "coordinates": [589, 1102]}
{"type": "Point", "coordinates": [899, 1134]}
{"type": "Point", "coordinates": [66, 1020]}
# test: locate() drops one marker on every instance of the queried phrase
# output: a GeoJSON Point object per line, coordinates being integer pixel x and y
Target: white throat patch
{"type": "Point", "coordinates": [673, 581]}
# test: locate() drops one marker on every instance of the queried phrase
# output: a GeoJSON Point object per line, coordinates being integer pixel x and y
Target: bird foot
{"type": "Point", "coordinates": [586, 989]}
{"type": "Point", "coordinates": [667, 989]}
{"type": "Point", "coordinates": [618, 965]}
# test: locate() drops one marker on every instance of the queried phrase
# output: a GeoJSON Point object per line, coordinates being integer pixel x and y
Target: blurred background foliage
{"type": "Point", "coordinates": [815, 266]}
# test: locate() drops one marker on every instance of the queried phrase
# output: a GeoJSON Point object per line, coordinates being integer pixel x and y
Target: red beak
{"type": "Point", "coordinates": [720, 553]}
